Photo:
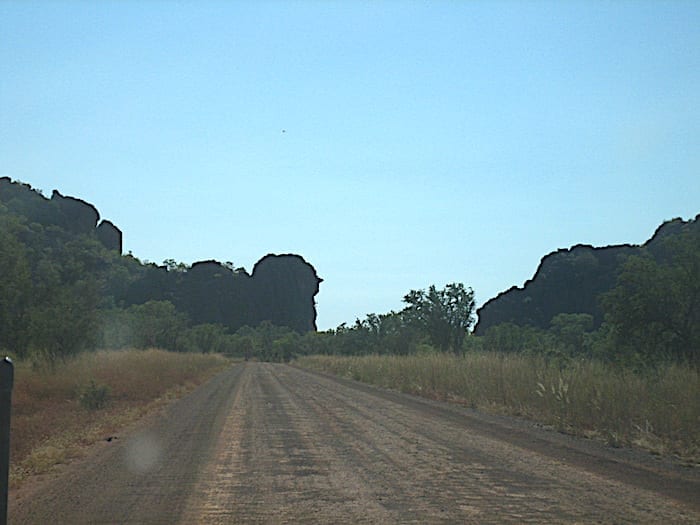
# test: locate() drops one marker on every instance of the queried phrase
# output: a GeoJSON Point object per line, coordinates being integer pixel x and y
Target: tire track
{"type": "Point", "coordinates": [451, 463]}
{"type": "Point", "coordinates": [142, 478]}
{"type": "Point", "coordinates": [268, 443]}
{"type": "Point", "coordinates": [319, 450]}
{"type": "Point", "coordinates": [284, 473]}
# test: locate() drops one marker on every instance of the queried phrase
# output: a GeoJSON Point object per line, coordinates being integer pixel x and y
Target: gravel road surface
{"type": "Point", "coordinates": [269, 443]}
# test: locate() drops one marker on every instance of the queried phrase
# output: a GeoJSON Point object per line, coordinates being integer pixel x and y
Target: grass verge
{"type": "Point", "coordinates": [57, 412]}
{"type": "Point", "coordinates": [658, 411]}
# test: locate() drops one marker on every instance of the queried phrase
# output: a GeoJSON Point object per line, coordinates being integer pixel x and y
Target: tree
{"type": "Point", "coordinates": [173, 266]}
{"type": "Point", "coordinates": [67, 322]}
{"type": "Point", "coordinates": [444, 315]}
{"type": "Point", "coordinates": [242, 343]}
{"type": "Point", "coordinates": [117, 328]}
{"type": "Point", "coordinates": [286, 347]}
{"type": "Point", "coordinates": [654, 310]}
{"type": "Point", "coordinates": [65, 293]}
{"type": "Point", "coordinates": [511, 338]}
{"type": "Point", "coordinates": [571, 332]}
{"type": "Point", "coordinates": [157, 325]}
{"type": "Point", "coordinates": [15, 293]}
{"type": "Point", "coordinates": [204, 338]}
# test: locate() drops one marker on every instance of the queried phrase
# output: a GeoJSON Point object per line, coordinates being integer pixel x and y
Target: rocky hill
{"type": "Point", "coordinates": [68, 213]}
{"type": "Point", "coordinates": [571, 281]}
{"type": "Point", "coordinates": [280, 289]}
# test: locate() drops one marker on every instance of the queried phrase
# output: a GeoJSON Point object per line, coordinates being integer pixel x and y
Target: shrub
{"type": "Point", "coordinates": [94, 396]}
{"type": "Point", "coordinates": [658, 410]}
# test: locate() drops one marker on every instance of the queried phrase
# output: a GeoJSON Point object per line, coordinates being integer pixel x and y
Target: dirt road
{"type": "Point", "coordinates": [264, 443]}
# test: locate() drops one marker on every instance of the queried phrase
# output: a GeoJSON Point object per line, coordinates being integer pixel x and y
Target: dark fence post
{"type": "Point", "coordinates": [6, 376]}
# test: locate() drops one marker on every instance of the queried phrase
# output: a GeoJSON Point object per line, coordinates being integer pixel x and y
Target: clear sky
{"type": "Point", "coordinates": [392, 144]}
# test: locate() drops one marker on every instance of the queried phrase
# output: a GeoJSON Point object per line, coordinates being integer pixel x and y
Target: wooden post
{"type": "Point", "coordinates": [6, 378]}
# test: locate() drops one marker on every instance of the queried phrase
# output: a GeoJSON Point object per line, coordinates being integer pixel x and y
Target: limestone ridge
{"type": "Point", "coordinates": [570, 281]}
{"type": "Point", "coordinates": [72, 214]}
{"type": "Point", "coordinates": [109, 235]}
{"type": "Point", "coordinates": [281, 288]}
{"type": "Point", "coordinates": [286, 285]}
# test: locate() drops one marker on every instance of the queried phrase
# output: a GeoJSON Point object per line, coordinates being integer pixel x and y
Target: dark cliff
{"type": "Point", "coordinates": [285, 286]}
{"type": "Point", "coordinates": [110, 236]}
{"type": "Point", "coordinates": [75, 215]}
{"type": "Point", "coordinates": [68, 213]}
{"type": "Point", "coordinates": [281, 288]}
{"type": "Point", "coordinates": [571, 281]}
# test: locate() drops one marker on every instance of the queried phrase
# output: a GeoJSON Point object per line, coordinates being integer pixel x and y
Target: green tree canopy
{"type": "Point", "coordinates": [15, 290]}
{"type": "Point", "coordinates": [445, 315]}
{"type": "Point", "coordinates": [157, 325]}
{"type": "Point", "coordinates": [654, 310]}
{"type": "Point", "coordinates": [571, 331]}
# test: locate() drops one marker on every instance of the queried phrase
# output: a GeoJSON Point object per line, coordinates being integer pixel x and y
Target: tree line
{"type": "Point", "coordinates": [651, 315]}
{"type": "Point", "coordinates": [60, 294]}
{"type": "Point", "coordinates": [64, 290]}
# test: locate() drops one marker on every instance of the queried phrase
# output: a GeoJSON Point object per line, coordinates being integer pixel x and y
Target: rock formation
{"type": "Point", "coordinates": [110, 236]}
{"type": "Point", "coordinates": [285, 286]}
{"type": "Point", "coordinates": [71, 214]}
{"type": "Point", "coordinates": [77, 215]}
{"type": "Point", "coordinates": [281, 288]}
{"type": "Point", "coordinates": [571, 281]}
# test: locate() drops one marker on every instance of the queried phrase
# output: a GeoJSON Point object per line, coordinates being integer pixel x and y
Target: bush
{"type": "Point", "coordinates": [94, 396]}
{"type": "Point", "coordinates": [658, 410]}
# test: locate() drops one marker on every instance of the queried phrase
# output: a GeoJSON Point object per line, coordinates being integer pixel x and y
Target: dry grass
{"type": "Point", "coordinates": [50, 424]}
{"type": "Point", "coordinates": [659, 411]}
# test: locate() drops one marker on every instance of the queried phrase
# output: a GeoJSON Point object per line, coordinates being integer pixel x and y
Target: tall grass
{"type": "Point", "coordinates": [59, 409]}
{"type": "Point", "coordinates": [659, 411]}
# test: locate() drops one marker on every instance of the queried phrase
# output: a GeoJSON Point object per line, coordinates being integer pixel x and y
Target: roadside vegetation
{"type": "Point", "coordinates": [629, 375]}
{"type": "Point", "coordinates": [632, 380]}
{"type": "Point", "coordinates": [658, 410]}
{"type": "Point", "coordinates": [60, 408]}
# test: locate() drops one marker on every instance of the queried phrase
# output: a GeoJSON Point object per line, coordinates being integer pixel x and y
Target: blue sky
{"type": "Point", "coordinates": [424, 142]}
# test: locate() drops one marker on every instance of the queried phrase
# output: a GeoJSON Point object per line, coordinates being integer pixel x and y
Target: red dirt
{"type": "Point", "coordinates": [264, 443]}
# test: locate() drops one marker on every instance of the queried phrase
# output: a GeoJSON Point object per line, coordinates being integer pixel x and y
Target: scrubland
{"type": "Point", "coordinates": [59, 409]}
{"type": "Point", "coordinates": [658, 410]}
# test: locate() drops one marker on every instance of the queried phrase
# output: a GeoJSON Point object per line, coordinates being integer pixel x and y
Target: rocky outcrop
{"type": "Point", "coordinates": [71, 214]}
{"type": "Point", "coordinates": [110, 236]}
{"type": "Point", "coordinates": [571, 281]}
{"type": "Point", "coordinates": [281, 290]}
{"type": "Point", "coordinates": [210, 292]}
{"type": "Point", "coordinates": [77, 215]}
{"type": "Point", "coordinates": [566, 281]}
{"type": "Point", "coordinates": [22, 199]}
{"type": "Point", "coordinates": [285, 287]}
